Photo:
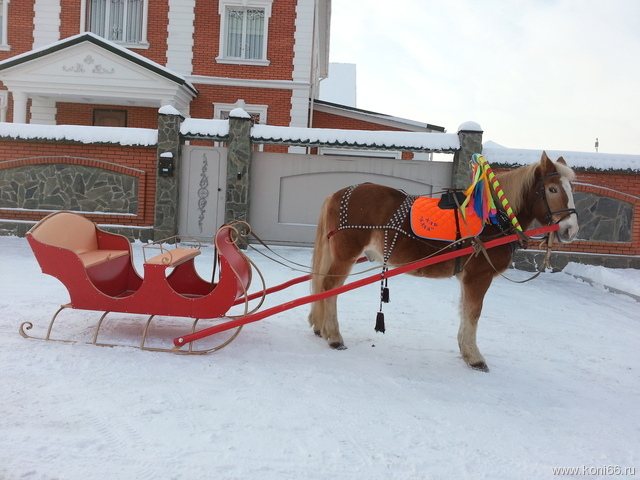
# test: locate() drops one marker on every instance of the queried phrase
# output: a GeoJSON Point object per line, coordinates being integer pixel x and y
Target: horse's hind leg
{"type": "Point", "coordinates": [328, 326]}
{"type": "Point", "coordinates": [331, 272]}
{"type": "Point", "coordinates": [474, 288]}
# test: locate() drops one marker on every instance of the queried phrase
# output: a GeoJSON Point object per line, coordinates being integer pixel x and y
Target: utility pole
{"type": "Point", "coordinates": [597, 144]}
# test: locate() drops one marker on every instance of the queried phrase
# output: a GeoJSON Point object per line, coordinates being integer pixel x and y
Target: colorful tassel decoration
{"type": "Point", "coordinates": [480, 197]}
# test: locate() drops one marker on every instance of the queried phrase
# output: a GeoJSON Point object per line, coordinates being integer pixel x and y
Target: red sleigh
{"type": "Point", "coordinates": [97, 269]}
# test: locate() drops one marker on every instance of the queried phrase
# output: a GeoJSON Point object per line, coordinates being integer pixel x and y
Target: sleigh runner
{"type": "Point", "coordinates": [97, 268]}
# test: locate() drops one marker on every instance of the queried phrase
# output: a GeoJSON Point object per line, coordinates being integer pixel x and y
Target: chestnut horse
{"type": "Point", "coordinates": [541, 191]}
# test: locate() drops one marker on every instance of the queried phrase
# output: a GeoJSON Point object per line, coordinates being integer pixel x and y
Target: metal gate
{"type": "Point", "coordinates": [287, 190]}
{"type": "Point", "coordinates": [202, 189]}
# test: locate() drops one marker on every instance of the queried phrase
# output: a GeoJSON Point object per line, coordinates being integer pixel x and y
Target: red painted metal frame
{"type": "Point", "coordinates": [185, 339]}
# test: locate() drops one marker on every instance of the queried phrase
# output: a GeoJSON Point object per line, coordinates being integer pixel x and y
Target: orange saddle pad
{"type": "Point", "coordinates": [430, 221]}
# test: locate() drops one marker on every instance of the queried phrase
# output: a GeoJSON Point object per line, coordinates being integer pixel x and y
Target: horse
{"type": "Point", "coordinates": [357, 220]}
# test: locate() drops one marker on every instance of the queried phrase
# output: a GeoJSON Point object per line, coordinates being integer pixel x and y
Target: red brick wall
{"type": "Point", "coordinates": [327, 120]}
{"type": "Point", "coordinates": [69, 18]}
{"type": "Point", "coordinates": [279, 47]}
{"type": "Point", "coordinates": [279, 101]}
{"type": "Point", "coordinates": [82, 114]}
{"type": "Point", "coordinates": [19, 28]}
{"type": "Point", "coordinates": [143, 158]}
{"type": "Point", "coordinates": [620, 186]}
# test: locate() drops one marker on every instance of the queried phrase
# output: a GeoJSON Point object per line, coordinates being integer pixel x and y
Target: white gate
{"type": "Point", "coordinates": [287, 190]}
{"type": "Point", "coordinates": [202, 190]}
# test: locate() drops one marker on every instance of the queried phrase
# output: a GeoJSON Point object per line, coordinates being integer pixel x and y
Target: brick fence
{"type": "Point", "coordinates": [118, 186]}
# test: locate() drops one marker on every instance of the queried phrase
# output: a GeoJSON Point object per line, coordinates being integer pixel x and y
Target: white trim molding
{"type": "Point", "coordinates": [4, 18]}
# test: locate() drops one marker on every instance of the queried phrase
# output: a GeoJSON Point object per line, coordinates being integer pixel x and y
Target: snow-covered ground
{"type": "Point", "coordinates": [278, 403]}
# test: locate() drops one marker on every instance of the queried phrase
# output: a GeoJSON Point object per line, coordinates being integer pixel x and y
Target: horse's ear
{"type": "Point", "coordinates": [546, 164]}
{"type": "Point", "coordinates": [561, 160]}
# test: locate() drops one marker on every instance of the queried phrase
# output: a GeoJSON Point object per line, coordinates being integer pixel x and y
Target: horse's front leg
{"type": "Point", "coordinates": [474, 288]}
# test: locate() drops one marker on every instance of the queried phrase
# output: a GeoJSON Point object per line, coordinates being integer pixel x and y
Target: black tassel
{"type": "Point", "coordinates": [385, 295]}
{"type": "Point", "coordinates": [380, 322]}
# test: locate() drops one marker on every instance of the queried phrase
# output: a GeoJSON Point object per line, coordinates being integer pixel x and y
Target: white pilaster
{"type": "Point", "coordinates": [46, 22]}
{"type": "Point", "coordinates": [43, 111]}
{"type": "Point", "coordinates": [180, 36]}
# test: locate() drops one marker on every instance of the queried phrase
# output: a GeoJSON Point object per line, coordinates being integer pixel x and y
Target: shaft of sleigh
{"type": "Point", "coordinates": [183, 340]}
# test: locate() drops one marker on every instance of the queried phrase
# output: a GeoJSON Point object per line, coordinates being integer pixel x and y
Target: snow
{"type": "Point", "coordinates": [278, 403]}
{"type": "Point", "coordinates": [329, 136]}
{"type": "Point", "coordinates": [470, 127]}
{"type": "Point", "coordinates": [239, 113]}
{"type": "Point", "coordinates": [80, 133]}
{"type": "Point", "coordinates": [497, 154]}
{"type": "Point", "coordinates": [196, 126]}
{"type": "Point", "coordinates": [168, 110]}
{"type": "Point", "coordinates": [619, 279]}
{"type": "Point", "coordinates": [361, 138]}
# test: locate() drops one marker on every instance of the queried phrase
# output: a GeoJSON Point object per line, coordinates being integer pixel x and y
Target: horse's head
{"type": "Point", "coordinates": [553, 199]}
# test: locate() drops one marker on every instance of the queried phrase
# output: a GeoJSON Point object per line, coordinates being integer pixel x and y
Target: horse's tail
{"type": "Point", "coordinates": [321, 250]}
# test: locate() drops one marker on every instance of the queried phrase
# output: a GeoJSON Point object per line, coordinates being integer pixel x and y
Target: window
{"type": "Point", "coordinates": [243, 37]}
{"type": "Point", "coordinates": [109, 118]}
{"type": "Point", "coordinates": [4, 7]}
{"type": "Point", "coordinates": [120, 21]}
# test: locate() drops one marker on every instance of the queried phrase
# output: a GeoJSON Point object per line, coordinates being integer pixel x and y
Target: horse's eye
{"type": "Point", "coordinates": [553, 190]}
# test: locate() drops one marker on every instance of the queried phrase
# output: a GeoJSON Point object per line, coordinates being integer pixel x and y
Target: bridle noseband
{"type": "Point", "coordinates": [567, 211]}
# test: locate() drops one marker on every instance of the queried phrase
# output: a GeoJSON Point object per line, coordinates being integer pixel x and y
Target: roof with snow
{"type": "Point", "coordinates": [591, 161]}
{"type": "Point", "coordinates": [326, 137]}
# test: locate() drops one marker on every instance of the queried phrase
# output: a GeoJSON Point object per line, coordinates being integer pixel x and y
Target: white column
{"type": "Point", "coordinates": [19, 107]}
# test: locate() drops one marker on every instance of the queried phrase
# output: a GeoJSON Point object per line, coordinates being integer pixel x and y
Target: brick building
{"type": "Point", "coordinates": [114, 63]}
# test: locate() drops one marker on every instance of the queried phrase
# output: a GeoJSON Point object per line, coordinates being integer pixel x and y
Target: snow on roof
{"type": "Point", "coordinates": [205, 128]}
{"type": "Point", "coordinates": [375, 139]}
{"type": "Point", "coordinates": [497, 154]}
{"type": "Point", "coordinates": [80, 133]}
{"type": "Point", "coordinates": [357, 138]}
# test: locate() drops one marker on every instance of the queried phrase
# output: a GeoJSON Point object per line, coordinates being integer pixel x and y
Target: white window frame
{"type": "Point", "coordinates": [143, 44]}
{"type": "Point", "coordinates": [4, 25]}
{"type": "Point", "coordinates": [223, 7]}
{"type": "Point", "coordinates": [261, 110]}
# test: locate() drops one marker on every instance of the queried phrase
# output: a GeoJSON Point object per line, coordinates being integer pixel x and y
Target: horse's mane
{"type": "Point", "coordinates": [516, 183]}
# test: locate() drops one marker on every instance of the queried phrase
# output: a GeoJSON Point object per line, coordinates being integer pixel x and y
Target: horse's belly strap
{"type": "Point", "coordinates": [430, 221]}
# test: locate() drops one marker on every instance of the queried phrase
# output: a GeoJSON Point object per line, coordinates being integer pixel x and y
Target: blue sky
{"type": "Point", "coordinates": [552, 74]}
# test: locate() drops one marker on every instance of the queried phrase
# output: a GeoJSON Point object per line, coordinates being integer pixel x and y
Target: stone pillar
{"type": "Point", "coordinates": [470, 135]}
{"type": "Point", "coordinates": [238, 166]}
{"type": "Point", "coordinates": [165, 222]}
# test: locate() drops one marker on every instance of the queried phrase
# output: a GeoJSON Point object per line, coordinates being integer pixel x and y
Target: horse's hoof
{"type": "Point", "coordinates": [481, 366]}
{"type": "Point", "coordinates": [317, 332]}
{"type": "Point", "coordinates": [338, 346]}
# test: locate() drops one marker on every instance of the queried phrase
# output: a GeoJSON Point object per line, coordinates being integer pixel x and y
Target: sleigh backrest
{"type": "Point", "coordinates": [235, 260]}
{"type": "Point", "coordinates": [67, 230]}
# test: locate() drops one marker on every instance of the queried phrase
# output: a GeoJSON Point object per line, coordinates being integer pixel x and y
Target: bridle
{"type": "Point", "coordinates": [549, 215]}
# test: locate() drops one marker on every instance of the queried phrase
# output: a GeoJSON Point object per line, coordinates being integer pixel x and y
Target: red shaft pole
{"type": "Point", "coordinates": [180, 341]}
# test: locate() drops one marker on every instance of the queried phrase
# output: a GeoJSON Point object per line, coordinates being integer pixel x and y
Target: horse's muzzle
{"type": "Point", "coordinates": [568, 230]}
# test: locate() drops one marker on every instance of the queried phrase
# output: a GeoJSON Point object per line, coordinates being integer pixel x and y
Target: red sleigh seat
{"type": "Point", "coordinates": [97, 269]}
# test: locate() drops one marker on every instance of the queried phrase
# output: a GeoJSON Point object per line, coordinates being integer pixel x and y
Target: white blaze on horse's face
{"type": "Point", "coordinates": [569, 224]}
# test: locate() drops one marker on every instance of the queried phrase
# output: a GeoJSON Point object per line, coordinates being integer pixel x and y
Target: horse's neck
{"type": "Point", "coordinates": [518, 195]}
